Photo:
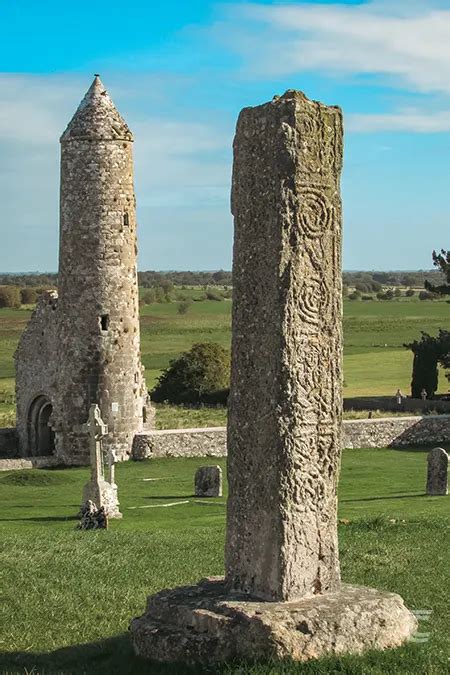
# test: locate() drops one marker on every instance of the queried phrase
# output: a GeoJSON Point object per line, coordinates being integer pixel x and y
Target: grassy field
{"type": "Point", "coordinates": [68, 596]}
{"type": "Point", "coordinates": [375, 362]}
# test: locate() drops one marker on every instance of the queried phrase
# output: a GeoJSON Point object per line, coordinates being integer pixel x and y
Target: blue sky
{"type": "Point", "coordinates": [179, 72]}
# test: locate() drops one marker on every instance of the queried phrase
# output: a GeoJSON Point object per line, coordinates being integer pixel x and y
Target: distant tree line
{"type": "Point", "coordinates": [365, 282]}
{"type": "Point", "coordinates": [15, 297]}
{"type": "Point", "coordinates": [35, 279]}
{"type": "Point", "coordinates": [152, 279]}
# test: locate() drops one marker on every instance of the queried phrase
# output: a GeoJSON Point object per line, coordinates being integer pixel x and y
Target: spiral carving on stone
{"type": "Point", "coordinates": [313, 302]}
{"type": "Point", "coordinates": [316, 213]}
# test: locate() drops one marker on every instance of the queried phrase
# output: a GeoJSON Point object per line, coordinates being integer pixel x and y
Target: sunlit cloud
{"type": "Point", "coordinates": [407, 41]}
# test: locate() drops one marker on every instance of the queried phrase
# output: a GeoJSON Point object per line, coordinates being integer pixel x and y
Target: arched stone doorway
{"type": "Point", "coordinates": [41, 437]}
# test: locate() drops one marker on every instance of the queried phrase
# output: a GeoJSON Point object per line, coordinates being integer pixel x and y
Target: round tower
{"type": "Point", "coordinates": [98, 319]}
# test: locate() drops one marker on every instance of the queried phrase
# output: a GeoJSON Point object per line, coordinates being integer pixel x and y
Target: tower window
{"type": "Point", "coordinates": [126, 219]}
{"type": "Point", "coordinates": [104, 322]}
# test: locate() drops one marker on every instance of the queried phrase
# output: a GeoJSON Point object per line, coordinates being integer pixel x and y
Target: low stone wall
{"type": "Point", "coordinates": [205, 442]}
{"type": "Point", "coordinates": [392, 432]}
{"type": "Point", "coordinates": [9, 443]}
{"type": "Point", "coordinates": [396, 432]}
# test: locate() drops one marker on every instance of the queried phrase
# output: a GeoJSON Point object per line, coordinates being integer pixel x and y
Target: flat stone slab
{"type": "Point", "coordinates": [18, 463]}
{"type": "Point", "coordinates": [203, 624]}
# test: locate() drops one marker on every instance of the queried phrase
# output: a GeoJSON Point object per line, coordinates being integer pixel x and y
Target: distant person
{"type": "Point", "coordinates": [423, 394]}
{"type": "Point", "coordinates": [399, 396]}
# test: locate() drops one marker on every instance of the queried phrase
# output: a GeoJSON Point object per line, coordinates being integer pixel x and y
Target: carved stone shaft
{"type": "Point", "coordinates": [284, 427]}
{"type": "Point", "coordinates": [437, 474]}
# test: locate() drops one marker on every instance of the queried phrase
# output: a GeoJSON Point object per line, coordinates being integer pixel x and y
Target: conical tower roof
{"type": "Point", "coordinates": [97, 118]}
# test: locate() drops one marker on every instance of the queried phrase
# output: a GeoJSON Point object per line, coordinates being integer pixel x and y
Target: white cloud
{"type": "Point", "coordinates": [179, 164]}
{"type": "Point", "coordinates": [408, 41]}
{"type": "Point", "coordinates": [403, 120]}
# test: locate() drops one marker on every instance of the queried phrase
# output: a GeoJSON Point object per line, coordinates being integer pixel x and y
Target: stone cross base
{"type": "Point", "coordinates": [203, 624]}
{"type": "Point", "coordinates": [103, 494]}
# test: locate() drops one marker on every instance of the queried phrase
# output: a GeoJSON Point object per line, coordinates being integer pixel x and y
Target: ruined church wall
{"type": "Point", "coordinates": [36, 363]}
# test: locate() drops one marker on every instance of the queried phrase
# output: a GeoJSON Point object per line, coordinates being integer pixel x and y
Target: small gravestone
{"type": "Point", "coordinates": [437, 475]}
{"type": "Point", "coordinates": [208, 481]}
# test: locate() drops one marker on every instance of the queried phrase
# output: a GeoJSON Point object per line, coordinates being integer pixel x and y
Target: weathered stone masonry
{"type": "Point", "coordinates": [284, 423]}
{"type": "Point", "coordinates": [285, 406]}
{"type": "Point", "coordinates": [90, 352]}
{"type": "Point", "coordinates": [389, 432]}
{"type": "Point", "coordinates": [37, 369]}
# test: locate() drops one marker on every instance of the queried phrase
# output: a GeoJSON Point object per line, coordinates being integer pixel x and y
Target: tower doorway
{"type": "Point", "coordinates": [41, 437]}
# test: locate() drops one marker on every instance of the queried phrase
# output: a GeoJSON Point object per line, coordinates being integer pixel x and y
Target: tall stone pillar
{"type": "Point", "coordinates": [284, 426]}
{"type": "Point", "coordinates": [281, 596]}
{"type": "Point", "coordinates": [98, 312]}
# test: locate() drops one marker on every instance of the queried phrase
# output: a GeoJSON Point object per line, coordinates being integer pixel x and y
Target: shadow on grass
{"type": "Point", "coordinates": [155, 497]}
{"type": "Point", "coordinates": [40, 519]}
{"type": "Point", "coordinates": [114, 655]}
{"type": "Point", "coordinates": [372, 499]}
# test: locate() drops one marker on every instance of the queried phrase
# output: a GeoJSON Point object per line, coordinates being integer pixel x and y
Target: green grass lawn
{"type": "Point", "coordinates": [68, 596]}
{"type": "Point", "coordinates": [375, 362]}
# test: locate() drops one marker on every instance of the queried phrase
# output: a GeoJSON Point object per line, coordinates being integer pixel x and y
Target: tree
{"type": "Point", "coordinates": [28, 296]}
{"type": "Point", "coordinates": [200, 375]}
{"type": "Point", "coordinates": [442, 262]}
{"type": "Point", "coordinates": [9, 296]}
{"type": "Point", "coordinates": [429, 351]}
{"type": "Point", "coordinates": [149, 297]}
{"type": "Point", "coordinates": [220, 276]}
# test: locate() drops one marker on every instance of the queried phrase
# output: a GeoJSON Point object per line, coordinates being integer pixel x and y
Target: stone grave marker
{"type": "Point", "coordinates": [208, 481]}
{"type": "Point", "coordinates": [437, 474]}
{"type": "Point", "coordinates": [98, 490]}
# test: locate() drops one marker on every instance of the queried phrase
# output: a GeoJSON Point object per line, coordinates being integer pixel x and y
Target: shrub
{"type": "Point", "coordinates": [356, 295]}
{"type": "Point", "coordinates": [149, 297]}
{"type": "Point", "coordinates": [9, 296]}
{"type": "Point", "coordinates": [183, 306]}
{"type": "Point", "coordinates": [214, 295]}
{"type": "Point", "coordinates": [426, 295]}
{"type": "Point", "coordinates": [195, 376]}
{"type": "Point", "coordinates": [410, 292]}
{"type": "Point", "coordinates": [28, 296]}
{"type": "Point", "coordinates": [160, 294]}
{"type": "Point", "coordinates": [388, 295]}
{"type": "Point", "coordinates": [362, 288]}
